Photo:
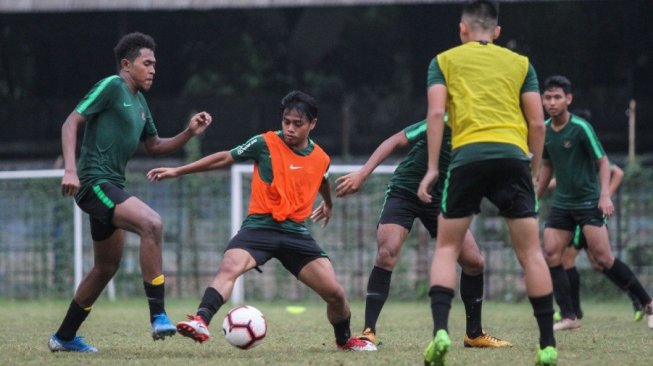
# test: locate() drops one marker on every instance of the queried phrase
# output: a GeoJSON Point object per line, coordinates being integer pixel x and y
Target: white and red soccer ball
{"type": "Point", "coordinates": [244, 327]}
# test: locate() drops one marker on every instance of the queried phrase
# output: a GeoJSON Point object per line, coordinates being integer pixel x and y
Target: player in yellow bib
{"type": "Point", "coordinates": [495, 113]}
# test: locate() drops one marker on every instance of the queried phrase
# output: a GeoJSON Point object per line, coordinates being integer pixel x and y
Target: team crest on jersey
{"type": "Point", "coordinates": [143, 115]}
{"type": "Point", "coordinates": [566, 144]}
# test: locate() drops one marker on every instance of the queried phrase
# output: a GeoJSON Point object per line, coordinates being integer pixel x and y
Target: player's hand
{"type": "Point", "coordinates": [605, 205]}
{"type": "Point", "coordinates": [158, 174]}
{"type": "Point", "coordinates": [69, 184]}
{"type": "Point", "coordinates": [199, 122]}
{"type": "Point", "coordinates": [350, 183]}
{"type": "Point", "coordinates": [426, 185]}
{"type": "Point", "coordinates": [322, 213]}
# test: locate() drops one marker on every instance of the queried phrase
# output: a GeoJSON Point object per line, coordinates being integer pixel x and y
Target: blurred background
{"type": "Point", "coordinates": [365, 61]}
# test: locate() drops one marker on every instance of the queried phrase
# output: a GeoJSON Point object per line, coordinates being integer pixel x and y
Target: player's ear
{"type": "Point", "coordinates": [570, 98]}
{"type": "Point", "coordinates": [497, 32]}
{"type": "Point", "coordinates": [124, 63]}
{"type": "Point", "coordinates": [313, 124]}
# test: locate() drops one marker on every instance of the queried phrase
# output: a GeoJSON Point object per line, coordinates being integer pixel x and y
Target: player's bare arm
{"type": "Point", "coordinates": [605, 202]}
{"type": "Point", "coordinates": [437, 101]}
{"type": "Point", "coordinates": [222, 159]}
{"type": "Point", "coordinates": [70, 181]}
{"type": "Point", "coordinates": [324, 210]}
{"type": "Point", "coordinates": [533, 112]}
{"type": "Point", "coordinates": [616, 176]}
{"type": "Point", "coordinates": [156, 146]}
{"type": "Point", "coordinates": [544, 177]}
{"type": "Point", "coordinates": [352, 182]}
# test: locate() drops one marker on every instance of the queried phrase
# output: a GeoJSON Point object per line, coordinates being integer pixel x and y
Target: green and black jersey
{"type": "Point", "coordinates": [411, 170]}
{"type": "Point", "coordinates": [573, 152]}
{"type": "Point", "coordinates": [116, 122]}
{"type": "Point", "coordinates": [256, 149]}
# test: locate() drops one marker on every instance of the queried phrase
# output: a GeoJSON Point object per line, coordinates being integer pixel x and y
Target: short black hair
{"type": "Point", "coordinates": [557, 81]}
{"type": "Point", "coordinates": [481, 14]}
{"type": "Point", "coordinates": [130, 45]}
{"type": "Point", "coordinates": [301, 102]}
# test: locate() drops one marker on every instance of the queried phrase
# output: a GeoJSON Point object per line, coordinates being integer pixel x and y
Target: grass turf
{"type": "Point", "coordinates": [120, 330]}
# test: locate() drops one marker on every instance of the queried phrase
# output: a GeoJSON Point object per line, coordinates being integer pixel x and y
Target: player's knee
{"type": "Point", "coordinates": [386, 258]}
{"type": "Point", "coordinates": [152, 225]}
{"type": "Point", "coordinates": [334, 295]}
{"type": "Point", "coordinates": [474, 266]}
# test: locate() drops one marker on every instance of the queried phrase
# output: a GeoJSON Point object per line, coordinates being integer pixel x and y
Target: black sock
{"type": "Point", "coordinates": [155, 298]}
{"type": "Point", "coordinates": [211, 303]}
{"type": "Point", "coordinates": [625, 278]}
{"type": "Point", "coordinates": [543, 311]}
{"type": "Point", "coordinates": [574, 290]}
{"type": "Point", "coordinates": [378, 287]}
{"type": "Point", "coordinates": [441, 298]}
{"type": "Point", "coordinates": [74, 318]}
{"type": "Point", "coordinates": [561, 291]}
{"type": "Point", "coordinates": [342, 331]}
{"type": "Point", "coordinates": [636, 305]}
{"type": "Point", "coordinates": [471, 292]}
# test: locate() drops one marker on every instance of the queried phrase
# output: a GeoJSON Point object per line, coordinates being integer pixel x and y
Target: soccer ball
{"type": "Point", "coordinates": [244, 327]}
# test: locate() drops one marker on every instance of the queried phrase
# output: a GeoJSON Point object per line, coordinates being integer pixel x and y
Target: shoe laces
{"type": "Point", "coordinates": [196, 318]}
{"type": "Point", "coordinates": [492, 338]}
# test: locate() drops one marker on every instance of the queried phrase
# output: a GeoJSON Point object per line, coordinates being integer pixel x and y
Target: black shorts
{"type": "Point", "coordinates": [402, 208]}
{"type": "Point", "coordinates": [568, 220]}
{"type": "Point", "coordinates": [507, 183]}
{"type": "Point", "coordinates": [98, 202]}
{"type": "Point", "coordinates": [294, 251]}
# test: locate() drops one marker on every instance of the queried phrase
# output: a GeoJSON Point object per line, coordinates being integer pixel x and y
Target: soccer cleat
{"type": "Point", "coordinates": [557, 316]}
{"type": "Point", "coordinates": [548, 356]}
{"type": "Point", "coordinates": [77, 344]}
{"type": "Point", "coordinates": [436, 352]}
{"type": "Point", "coordinates": [485, 341]}
{"type": "Point", "coordinates": [368, 335]}
{"type": "Point", "coordinates": [567, 324]}
{"type": "Point", "coordinates": [355, 344]}
{"type": "Point", "coordinates": [162, 327]}
{"type": "Point", "coordinates": [194, 328]}
{"type": "Point", "coordinates": [638, 315]}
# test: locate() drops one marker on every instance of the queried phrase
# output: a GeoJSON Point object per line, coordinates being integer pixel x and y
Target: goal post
{"type": "Point", "coordinates": [238, 171]}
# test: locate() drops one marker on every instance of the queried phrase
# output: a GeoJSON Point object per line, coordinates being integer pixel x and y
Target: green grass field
{"type": "Point", "coordinates": [120, 331]}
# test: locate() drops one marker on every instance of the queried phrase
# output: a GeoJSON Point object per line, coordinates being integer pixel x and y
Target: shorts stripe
{"type": "Point", "coordinates": [444, 192]}
{"type": "Point", "coordinates": [103, 197]}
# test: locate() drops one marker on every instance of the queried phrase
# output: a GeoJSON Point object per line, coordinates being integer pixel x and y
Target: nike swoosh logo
{"type": "Point", "coordinates": [124, 104]}
{"type": "Point", "coordinates": [293, 167]}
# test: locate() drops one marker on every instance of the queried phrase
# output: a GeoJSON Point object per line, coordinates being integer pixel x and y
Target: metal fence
{"type": "Point", "coordinates": [36, 241]}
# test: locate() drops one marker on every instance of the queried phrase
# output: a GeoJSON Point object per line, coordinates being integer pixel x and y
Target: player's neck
{"type": "Point", "coordinates": [560, 121]}
{"type": "Point", "coordinates": [129, 81]}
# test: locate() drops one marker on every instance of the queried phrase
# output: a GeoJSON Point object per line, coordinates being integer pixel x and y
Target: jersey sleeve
{"type": "Point", "coordinates": [434, 75]}
{"type": "Point", "coordinates": [415, 132]}
{"type": "Point", "coordinates": [531, 84]}
{"type": "Point", "coordinates": [250, 150]}
{"type": "Point", "coordinates": [591, 141]}
{"type": "Point", "coordinates": [98, 98]}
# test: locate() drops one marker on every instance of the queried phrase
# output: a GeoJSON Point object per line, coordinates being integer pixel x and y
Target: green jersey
{"type": "Point", "coordinates": [411, 170]}
{"type": "Point", "coordinates": [116, 122]}
{"type": "Point", "coordinates": [573, 152]}
{"type": "Point", "coordinates": [256, 149]}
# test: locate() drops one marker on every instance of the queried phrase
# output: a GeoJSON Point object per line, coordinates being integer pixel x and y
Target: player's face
{"type": "Point", "coordinates": [555, 101]}
{"type": "Point", "coordinates": [141, 70]}
{"type": "Point", "coordinates": [296, 127]}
